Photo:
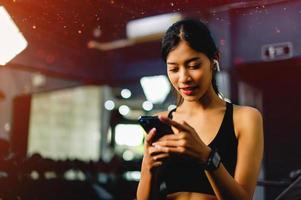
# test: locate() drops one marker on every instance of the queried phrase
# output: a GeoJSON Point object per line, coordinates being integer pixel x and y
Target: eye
{"type": "Point", "coordinates": [173, 69]}
{"type": "Point", "coordinates": [194, 65]}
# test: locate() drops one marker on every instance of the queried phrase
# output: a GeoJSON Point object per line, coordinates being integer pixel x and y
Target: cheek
{"type": "Point", "coordinates": [204, 76]}
{"type": "Point", "coordinates": [173, 79]}
{"type": "Point", "coordinates": [199, 77]}
{"type": "Point", "coordinates": [207, 80]}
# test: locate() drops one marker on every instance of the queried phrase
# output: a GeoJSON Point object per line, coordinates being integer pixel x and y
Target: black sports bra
{"type": "Point", "coordinates": [182, 174]}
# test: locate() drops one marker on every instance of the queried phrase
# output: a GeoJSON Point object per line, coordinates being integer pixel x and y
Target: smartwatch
{"type": "Point", "coordinates": [214, 161]}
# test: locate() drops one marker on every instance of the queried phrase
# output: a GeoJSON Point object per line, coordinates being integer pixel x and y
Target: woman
{"type": "Point", "coordinates": [216, 149]}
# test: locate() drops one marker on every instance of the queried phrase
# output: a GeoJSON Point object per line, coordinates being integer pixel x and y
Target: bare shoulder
{"type": "Point", "coordinates": [246, 112]}
{"type": "Point", "coordinates": [246, 118]}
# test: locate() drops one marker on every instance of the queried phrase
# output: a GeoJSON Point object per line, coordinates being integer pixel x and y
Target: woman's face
{"type": "Point", "coordinates": [190, 72]}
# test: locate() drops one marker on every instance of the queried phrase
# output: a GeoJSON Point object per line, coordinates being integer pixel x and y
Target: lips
{"type": "Point", "coordinates": [188, 90]}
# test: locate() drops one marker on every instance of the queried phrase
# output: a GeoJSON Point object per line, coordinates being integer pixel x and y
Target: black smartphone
{"type": "Point", "coordinates": [149, 122]}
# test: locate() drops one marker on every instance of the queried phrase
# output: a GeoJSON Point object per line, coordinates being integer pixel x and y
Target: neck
{"type": "Point", "coordinates": [208, 101]}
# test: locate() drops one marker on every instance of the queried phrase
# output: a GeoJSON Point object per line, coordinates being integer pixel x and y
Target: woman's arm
{"type": "Point", "coordinates": [249, 156]}
{"type": "Point", "coordinates": [144, 191]}
{"type": "Point", "coordinates": [150, 162]}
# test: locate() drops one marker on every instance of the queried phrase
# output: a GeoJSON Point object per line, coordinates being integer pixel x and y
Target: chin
{"type": "Point", "coordinates": [191, 98]}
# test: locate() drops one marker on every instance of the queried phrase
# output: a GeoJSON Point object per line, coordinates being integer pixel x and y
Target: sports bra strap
{"type": "Point", "coordinates": [170, 113]}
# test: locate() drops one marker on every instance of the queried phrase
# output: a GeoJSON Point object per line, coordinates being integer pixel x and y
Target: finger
{"type": "Point", "coordinates": [174, 123]}
{"type": "Point", "coordinates": [171, 137]}
{"type": "Point", "coordinates": [156, 150]}
{"type": "Point", "coordinates": [161, 157]}
{"type": "Point", "coordinates": [174, 150]}
{"type": "Point", "coordinates": [166, 150]}
{"type": "Point", "coordinates": [169, 143]}
{"type": "Point", "coordinates": [186, 124]}
{"type": "Point", "coordinates": [150, 136]}
{"type": "Point", "coordinates": [153, 150]}
{"type": "Point", "coordinates": [156, 164]}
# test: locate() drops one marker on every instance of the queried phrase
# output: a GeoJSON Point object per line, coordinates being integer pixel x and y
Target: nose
{"type": "Point", "coordinates": [184, 76]}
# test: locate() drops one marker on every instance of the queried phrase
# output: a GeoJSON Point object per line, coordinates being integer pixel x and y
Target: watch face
{"type": "Point", "coordinates": [213, 161]}
{"type": "Point", "coordinates": [216, 159]}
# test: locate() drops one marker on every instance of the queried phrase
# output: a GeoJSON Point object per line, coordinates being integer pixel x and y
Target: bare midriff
{"type": "Point", "coordinates": [190, 196]}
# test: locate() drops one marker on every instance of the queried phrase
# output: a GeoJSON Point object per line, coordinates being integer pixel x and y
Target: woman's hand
{"type": "Point", "coordinates": [153, 156]}
{"type": "Point", "coordinates": [184, 142]}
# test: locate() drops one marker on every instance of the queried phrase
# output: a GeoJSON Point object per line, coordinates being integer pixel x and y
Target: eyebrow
{"type": "Point", "coordinates": [186, 61]}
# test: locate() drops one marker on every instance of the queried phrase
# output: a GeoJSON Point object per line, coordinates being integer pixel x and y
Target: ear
{"type": "Point", "coordinates": [217, 56]}
{"type": "Point", "coordinates": [216, 65]}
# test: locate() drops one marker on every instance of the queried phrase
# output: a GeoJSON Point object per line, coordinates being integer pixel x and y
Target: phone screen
{"type": "Point", "coordinates": [149, 122]}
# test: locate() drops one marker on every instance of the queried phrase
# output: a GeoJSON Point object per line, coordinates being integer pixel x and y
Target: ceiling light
{"type": "Point", "coordinates": [154, 26]}
{"type": "Point", "coordinates": [124, 110]}
{"type": "Point", "coordinates": [155, 88]}
{"type": "Point", "coordinates": [147, 105]}
{"type": "Point", "coordinates": [129, 134]}
{"type": "Point", "coordinates": [126, 93]}
{"type": "Point", "coordinates": [128, 155]}
{"type": "Point", "coordinates": [140, 30]}
{"type": "Point", "coordinates": [38, 80]}
{"type": "Point", "coordinates": [11, 39]}
{"type": "Point", "coordinates": [109, 105]}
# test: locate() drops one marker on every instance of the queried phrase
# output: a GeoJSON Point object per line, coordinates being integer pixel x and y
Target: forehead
{"type": "Point", "coordinates": [183, 52]}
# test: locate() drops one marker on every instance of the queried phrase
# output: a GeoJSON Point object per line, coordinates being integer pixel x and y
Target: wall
{"type": "Point", "coordinates": [15, 82]}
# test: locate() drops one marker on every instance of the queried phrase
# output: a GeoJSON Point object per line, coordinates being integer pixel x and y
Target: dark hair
{"type": "Point", "coordinates": [197, 36]}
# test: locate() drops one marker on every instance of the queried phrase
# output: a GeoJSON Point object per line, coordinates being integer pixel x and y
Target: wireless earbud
{"type": "Point", "coordinates": [216, 63]}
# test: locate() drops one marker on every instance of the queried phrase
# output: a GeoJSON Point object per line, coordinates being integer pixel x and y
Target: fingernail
{"type": "Point", "coordinates": [156, 145]}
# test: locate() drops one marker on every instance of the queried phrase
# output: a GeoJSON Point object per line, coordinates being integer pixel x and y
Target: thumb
{"type": "Point", "coordinates": [187, 125]}
{"type": "Point", "coordinates": [150, 136]}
